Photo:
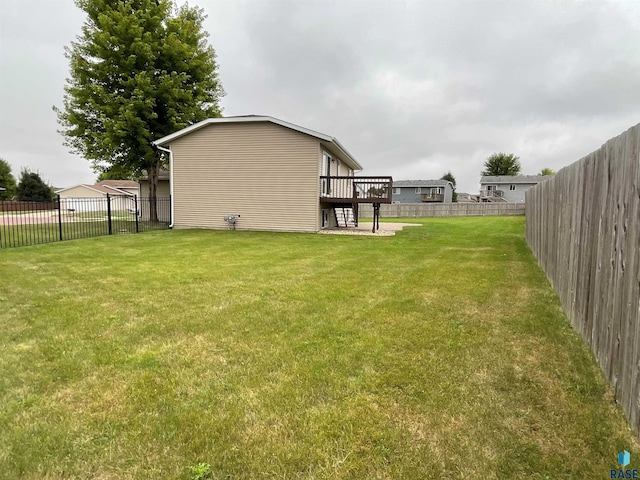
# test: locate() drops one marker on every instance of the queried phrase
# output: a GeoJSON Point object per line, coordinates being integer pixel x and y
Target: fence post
{"type": "Point", "coordinates": [3, 235]}
{"type": "Point", "coordinates": [59, 217]}
{"type": "Point", "coordinates": [109, 213]}
{"type": "Point", "coordinates": [135, 201]}
{"type": "Point", "coordinates": [170, 210]}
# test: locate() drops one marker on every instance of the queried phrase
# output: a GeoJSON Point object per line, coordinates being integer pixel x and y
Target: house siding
{"type": "Point", "coordinates": [263, 172]}
{"type": "Point", "coordinates": [163, 190]}
{"type": "Point", "coordinates": [448, 194]}
{"type": "Point", "coordinates": [513, 196]}
{"type": "Point", "coordinates": [408, 195]}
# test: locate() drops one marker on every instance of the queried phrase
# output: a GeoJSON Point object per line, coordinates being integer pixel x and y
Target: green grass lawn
{"type": "Point", "coordinates": [441, 352]}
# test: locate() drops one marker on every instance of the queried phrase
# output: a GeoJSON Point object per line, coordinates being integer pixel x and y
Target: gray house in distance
{"type": "Point", "coordinates": [422, 191]}
{"type": "Point", "coordinates": [507, 188]}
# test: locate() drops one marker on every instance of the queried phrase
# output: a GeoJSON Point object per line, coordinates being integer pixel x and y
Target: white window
{"type": "Point", "coordinates": [418, 190]}
{"type": "Point", "coordinates": [396, 191]}
{"type": "Point", "coordinates": [512, 187]}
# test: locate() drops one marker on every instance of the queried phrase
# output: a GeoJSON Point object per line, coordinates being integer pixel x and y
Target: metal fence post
{"type": "Point", "coordinates": [109, 213]}
{"type": "Point", "coordinates": [59, 217]}
{"type": "Point", "coordinates": [135, 201]}
{"type": "Point", "coordinates": [3, 235]}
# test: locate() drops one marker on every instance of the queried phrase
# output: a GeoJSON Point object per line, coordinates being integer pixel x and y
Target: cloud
{"type": "Point", "coordinates": [412, 88]}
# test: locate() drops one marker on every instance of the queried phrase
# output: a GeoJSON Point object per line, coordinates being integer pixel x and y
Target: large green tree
{"type": "Point", "coordinates": [140, 70]}
{"type": "Point", "coordinates": [7, 181]}
{"type": "Point", "coordinates": [502, 164]}
{"type": "Point", "coordinates": [546, 171]}
{"type": "Point", "coordinates": [449, 176]}
{"type": "Point", "coordinates": [115, 172]}
{"type": "Point", "coordinates": [31, 188]}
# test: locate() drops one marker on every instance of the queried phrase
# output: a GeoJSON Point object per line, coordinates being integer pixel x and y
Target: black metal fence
{"type": "Point", "coordinates": [31, 223]}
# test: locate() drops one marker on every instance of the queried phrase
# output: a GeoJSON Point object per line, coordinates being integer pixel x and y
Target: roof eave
{"type": "Point", "coordinates": [90, 187]}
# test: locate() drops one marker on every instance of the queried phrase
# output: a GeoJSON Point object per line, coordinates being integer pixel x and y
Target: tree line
{"type": "Point", "coordinates": [500, 164]}
{"type": "Point", "coordinates": [29, 188]}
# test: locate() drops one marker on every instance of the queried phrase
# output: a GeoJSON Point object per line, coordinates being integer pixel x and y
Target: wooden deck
{"type": "Point", "coordinates": [435, 197]}
{"type": "Point", "coordinates": [355, 190]}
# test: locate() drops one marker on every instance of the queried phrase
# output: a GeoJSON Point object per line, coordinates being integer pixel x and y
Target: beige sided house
{"type": "Point", "coordinates": [273, 174]}
{"type": "Point", "coordinates": [86, 197]}
{"type": "Point", "coordinates": [163, 189]}
{"type": "Point", "coordinates": [163, 194]}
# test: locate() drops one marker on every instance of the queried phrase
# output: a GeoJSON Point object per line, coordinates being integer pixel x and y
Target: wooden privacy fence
{"type": "Point", "coordinates": [417, 210]}
{"type": "Point", "coordinates": [583, 225]}
{"type": "Point", "coordinates": [15, 206]}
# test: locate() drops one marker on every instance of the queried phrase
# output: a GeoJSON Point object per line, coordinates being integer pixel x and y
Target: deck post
{"type": "Point", "coordinates": [376, 217]}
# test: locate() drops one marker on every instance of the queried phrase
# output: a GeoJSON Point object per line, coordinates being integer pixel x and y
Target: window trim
{"type": "Point", "coordinates": [418, 190]}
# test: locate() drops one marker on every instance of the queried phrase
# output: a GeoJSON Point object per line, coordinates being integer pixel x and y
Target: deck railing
{"type": "Point", "coordinates": [433, 197]}
{"type": "Point", "coordinates": [491, 193]}
{"type": "Point", "coordinates": [356, 189]}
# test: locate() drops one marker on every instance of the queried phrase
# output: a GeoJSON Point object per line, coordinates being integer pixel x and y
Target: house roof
{"type": "Point", "coordinates": [332, 141]}
{"type": "Point", "coordinates": [509, 179]}
{"type": "Point", "coordinates": [119, 183]}
{"type": "Point", "coordinates": [420, 183]}
{"type": "Point", "coordinates": [98, 188]}
{"type": "Point", "coordinates": [162, 175]}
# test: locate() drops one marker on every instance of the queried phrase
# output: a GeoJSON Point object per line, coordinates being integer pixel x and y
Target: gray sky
{"type": "Point", "coordinates": [412, 89]}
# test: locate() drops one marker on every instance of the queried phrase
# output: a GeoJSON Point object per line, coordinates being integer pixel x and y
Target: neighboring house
{"type": "Point", "coordinates": [163, 189]}
{"type": "Point", "coordinates": [128, 186]}
{"type": "Point", "coordinates": [422, 191]}
{"type": "Point", "coordinates": [163, 194]}
{"type": "Point", "coordinates": [273, 174]}
{"type": "Point", "coordinates": [466, 198]}
{"type": "Point", "coordinates": [91, 198]}
{"type": "Point", "coordinates": [507, 188]}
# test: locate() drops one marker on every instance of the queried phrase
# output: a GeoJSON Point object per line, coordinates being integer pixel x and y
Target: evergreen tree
{"type": "Point", "coordinates": [449, 176]}
{"type": "Point", "coordinates": [32, 188]}
{"type": "Point", "coordinates": [7, 181]}
{"type": "Point", "coordinates": [502, 164]}
{"type": "Point", "coordinates": [140, 70]}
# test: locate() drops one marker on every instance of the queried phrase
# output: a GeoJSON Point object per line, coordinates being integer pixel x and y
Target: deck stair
{"type": "Point", "coordinates": [345, 217]}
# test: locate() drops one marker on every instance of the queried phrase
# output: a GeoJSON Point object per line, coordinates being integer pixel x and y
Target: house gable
{"type": "Point", "coordinates": [81, 191]}
{"type": "Point", "coordinates": [328, 141]}
{"type": "Point", "coordinates": [261, 171]}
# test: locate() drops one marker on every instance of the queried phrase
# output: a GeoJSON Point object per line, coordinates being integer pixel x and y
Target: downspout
{"type": "Point", "coordinates": [168, 150]}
